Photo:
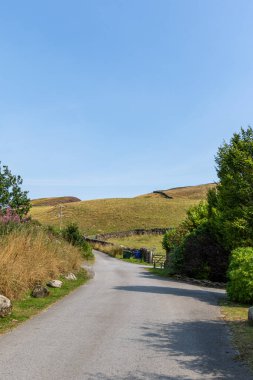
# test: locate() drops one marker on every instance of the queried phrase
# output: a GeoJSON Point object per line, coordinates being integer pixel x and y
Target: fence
{"type": "Point", "coordinates": [158, 260]}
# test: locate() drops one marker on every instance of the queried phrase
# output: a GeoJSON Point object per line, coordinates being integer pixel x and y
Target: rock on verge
{"type": "Point", "coordinates": [250, 314]}
{"type": "Point", "coordinates": [55, 284]}
{"type": "Point", "coordinates": [5, 306]}
{"type": "Point", "coordinates": [40, 291]}
{"type": "Point", "coordinates": [89, 270]}
{"type": "Point", "coordinates": [71, 276]}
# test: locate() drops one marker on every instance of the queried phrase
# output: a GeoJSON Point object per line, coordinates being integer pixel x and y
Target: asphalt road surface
{"type": "Point", "coordinates": [125, 324]}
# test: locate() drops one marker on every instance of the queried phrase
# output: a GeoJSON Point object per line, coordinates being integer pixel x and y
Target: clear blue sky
{"type": "Point", "coordinates": [112, 98]}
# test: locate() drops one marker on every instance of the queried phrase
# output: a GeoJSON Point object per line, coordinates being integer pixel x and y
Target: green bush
{"type": "Point", "coordinates": [72, 234]}
{"type": "Point", "coordinates": [203, 256]}
{"type": "Point", "coordinates": [240, 274]}
{"type": "Point", "coordinates": [173, 238]}
{"type": "Point", "coordinates": [196, 216]}
{"type": "Point", "coordinates": [176, 258]}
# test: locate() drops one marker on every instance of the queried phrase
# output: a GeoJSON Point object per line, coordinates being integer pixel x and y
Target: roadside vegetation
{"type": "Point", "coordinates": [29, 254]}
{"type": "Point", "coordinates": [32, 255]}
{"type": "Point", "coordinates": [27, 306]}
{"type": "Point", "coordinates": [235, 314]}
{"type": "Point", "coordinates": [215, 241]}
{"type": "Point", "coordinates": [219, 230]}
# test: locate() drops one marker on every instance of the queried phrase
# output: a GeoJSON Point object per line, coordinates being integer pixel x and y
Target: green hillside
{"type": "Point", "coordinates": [122, 214]}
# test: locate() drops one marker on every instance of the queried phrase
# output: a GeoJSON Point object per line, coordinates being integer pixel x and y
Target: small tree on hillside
{"type": "Point", "coordinates": [11, 195]}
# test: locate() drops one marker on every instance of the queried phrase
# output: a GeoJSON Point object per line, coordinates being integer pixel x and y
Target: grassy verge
{"type": "Point", "coordinates": [133, 261]}
{"type": "Point", "coordinates": [160, 272]}
{"type": "Point", "coordinates": [28, 306]}
{"type": "Point", "coordinates": [242, 332]}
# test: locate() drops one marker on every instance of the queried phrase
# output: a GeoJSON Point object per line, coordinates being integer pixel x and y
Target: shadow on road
{"type": "Point", "coordinates": [168, 279]}
{"type": "Point", "coordinates": [199, 346]}
{"type": "Point", "coordinates": [207, 296]}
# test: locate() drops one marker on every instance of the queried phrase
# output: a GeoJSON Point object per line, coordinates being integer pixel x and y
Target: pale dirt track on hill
{"type": "Point", "coordinates": [125, 324]}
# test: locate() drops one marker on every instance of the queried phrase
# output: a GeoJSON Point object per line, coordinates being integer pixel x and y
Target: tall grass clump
{"type": "Point", "coordinates": [29, 254]}
{"type": "Point", "coordinates": [111, 250]}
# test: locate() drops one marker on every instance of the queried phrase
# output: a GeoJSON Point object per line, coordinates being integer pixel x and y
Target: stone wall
{"type": "Point", "coordinates": [98, 241]}
{"type": "Point", "coordinates": [161, 192]}
{"type": "Point", "coordinates": [139, 231]}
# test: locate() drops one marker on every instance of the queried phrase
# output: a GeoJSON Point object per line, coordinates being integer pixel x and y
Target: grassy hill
{"type": "Point", "coordinates": [122, 214]}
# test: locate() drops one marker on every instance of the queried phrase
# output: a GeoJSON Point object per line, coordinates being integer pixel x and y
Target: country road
{"type": "Point", "coordinates": [125, 324]}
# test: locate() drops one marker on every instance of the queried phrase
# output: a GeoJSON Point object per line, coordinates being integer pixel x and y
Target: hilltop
{"type": "Point", "coordinates": [53, 201]}
{"type": "Point", "coordinates": [122, 214]}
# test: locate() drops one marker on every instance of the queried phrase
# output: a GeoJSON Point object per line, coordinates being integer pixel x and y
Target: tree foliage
{"type": "Point", "coordinates": [11, 195]}
{"type": "Point", "coordinates": [200, 246]}
{"type": "Point", "coordinates": [234, 199]}
{"type": "Point", "coordinates": [240, 274]}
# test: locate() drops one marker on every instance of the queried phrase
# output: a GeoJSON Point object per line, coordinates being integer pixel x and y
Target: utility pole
{"type": "Point", "coordinates": [60, 215]}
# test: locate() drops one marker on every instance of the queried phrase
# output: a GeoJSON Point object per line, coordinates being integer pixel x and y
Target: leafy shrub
{"type": "Point", "coordinates": [203, 256]}
{"type": "Point", "coordinates": [176, 259]}
{"type": "Point", "coordinates": [193, 249]}
{"type": "Point", "coordinates": [240, 274]}
{"type": "Point", "coordinates": [173, 238]}
{"type": "Point", "coordinates": [72, 234]}
{"type": "Point", "coordinates": [196, 216]}
{"type": "Point", "coordinates": [200, 246]}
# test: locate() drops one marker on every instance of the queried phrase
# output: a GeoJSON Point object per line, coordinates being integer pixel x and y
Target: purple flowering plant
{"type": "Point", "coordinates": [9, 216]}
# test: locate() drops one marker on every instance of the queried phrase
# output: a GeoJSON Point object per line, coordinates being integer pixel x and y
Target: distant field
{"type": "Point", "coordinates": [123, 214]}
{"type": "Point", "coordinates": [139, 241]}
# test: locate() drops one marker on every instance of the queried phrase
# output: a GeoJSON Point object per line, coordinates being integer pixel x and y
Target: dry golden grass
{"type": "Point", "coordinates": [29, 255]}
{"type": "Point", "coordinates": [114, 251]}
{"type": "Point", "coordinates": [140, 241]}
